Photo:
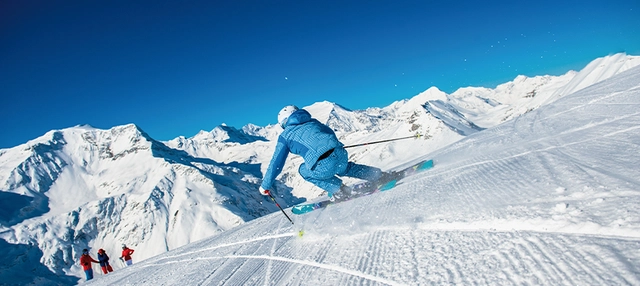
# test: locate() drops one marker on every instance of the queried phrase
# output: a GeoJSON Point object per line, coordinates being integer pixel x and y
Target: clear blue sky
{"type": "Point", "coordinates": [177, 67]}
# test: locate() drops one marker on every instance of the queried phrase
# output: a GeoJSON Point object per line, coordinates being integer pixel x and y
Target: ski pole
{"type": "Point", "coordinates": [274, 200]}
{"type": "Point", "coordinates": [382, 141]}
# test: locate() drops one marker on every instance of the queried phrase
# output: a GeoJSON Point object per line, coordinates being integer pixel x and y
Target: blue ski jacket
{"type": "Point", "coordinates": [304, 136]}
{"type": "Point", "coordinates": [103, 259]}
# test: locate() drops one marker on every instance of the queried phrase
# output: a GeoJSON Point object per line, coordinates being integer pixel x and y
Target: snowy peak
{"type": "Point", "coordinates": [343, 120]}
{"type": "Point", "coordinates": [416, 102]}
{"type": "Point", "coordinates": [599, 70]}
{"type": "Point", "coordinates": [324, 110]}
{"type": "Point", "coordinates": [224, 133]}
{"type": "Point", "coordinates": [436, 103]}
{"type": "Point", "coordinates": [269, 132]}
{"type": "Point", "coordinates": [31, 174]}
{"type": "Point", "coordinates": [32, 168]}
{"type": "Point", "coordinates": [119, 141]}
{"type": "Point", "coordinates": [606, 67]}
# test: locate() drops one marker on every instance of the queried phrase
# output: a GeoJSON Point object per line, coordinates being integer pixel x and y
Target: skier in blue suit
{"type": "Point", "coordinates": [324, 155]}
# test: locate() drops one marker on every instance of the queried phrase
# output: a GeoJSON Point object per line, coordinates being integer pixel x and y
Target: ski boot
{"type": "Point", "coordinates": [388, 177]}
{"type": "Point", "coordinates": [343, 194]}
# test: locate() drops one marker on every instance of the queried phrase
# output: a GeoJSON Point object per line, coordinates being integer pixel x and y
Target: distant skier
{"type": "Point", "coordinates": [324, 155]}
{"type": "Point", "coordinates": [126, 255]}
{"type": "Point", "coordinates": [103, 258]}
{"type": "Point", "coordinates": [85, 261]}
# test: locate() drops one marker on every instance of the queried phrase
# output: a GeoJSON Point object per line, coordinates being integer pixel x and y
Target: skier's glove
{"type": "Point", "coordinates": [263, 191]}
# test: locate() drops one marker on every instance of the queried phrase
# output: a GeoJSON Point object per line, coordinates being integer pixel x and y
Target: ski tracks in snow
{"type": "Point", "coordinates": [239, 274]}
{"type": "Point", "coordinates": [406, 256]}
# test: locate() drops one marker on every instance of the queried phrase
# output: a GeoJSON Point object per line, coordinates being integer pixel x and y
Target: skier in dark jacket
{"type": "Point", "coordinates": [85, 261]}
{"type": "Point", "coordinates": [324, 155]}
{"type": "Point", "coordinates": [103, 258]}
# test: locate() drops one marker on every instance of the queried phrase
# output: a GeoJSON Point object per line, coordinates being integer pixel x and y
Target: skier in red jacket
{"type": "Point", "coordinates": [85, 261]}
{"type": "Point", "coordinates": [126, 255]}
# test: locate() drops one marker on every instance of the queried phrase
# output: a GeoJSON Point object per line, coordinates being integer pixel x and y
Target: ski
{"type": "Point", "coordinates": [365, 188]}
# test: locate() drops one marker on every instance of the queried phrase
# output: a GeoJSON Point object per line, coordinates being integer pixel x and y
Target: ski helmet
{"type": "Point", "coordinates": [284, 114]}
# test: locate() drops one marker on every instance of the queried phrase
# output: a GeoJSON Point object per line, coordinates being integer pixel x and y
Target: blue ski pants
{"type": "Point", "coordinates": [324, 173]}
{"type": "Point", "coordinates": [89, 274]}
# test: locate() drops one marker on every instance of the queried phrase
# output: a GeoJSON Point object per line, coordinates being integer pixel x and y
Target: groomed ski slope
{"type": "Point", "coordinates": [550, 198]}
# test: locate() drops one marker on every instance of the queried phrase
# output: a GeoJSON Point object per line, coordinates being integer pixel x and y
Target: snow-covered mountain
{"type": "Point", "coordinates": [548, 199]}
{"type": "Point", "coordinates": [84, 187]}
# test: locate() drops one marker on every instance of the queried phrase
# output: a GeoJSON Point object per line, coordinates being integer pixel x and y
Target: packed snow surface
{"type": "Point", "coordinates": [551, 197]}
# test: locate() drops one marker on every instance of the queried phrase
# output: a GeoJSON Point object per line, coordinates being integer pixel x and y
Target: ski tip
{"type": "Point", "coordinates": [303, 209]}
{"type": "Point", "coordinates": [387, 186]}
{"type": "Point", "coordinates": [426, 165]}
